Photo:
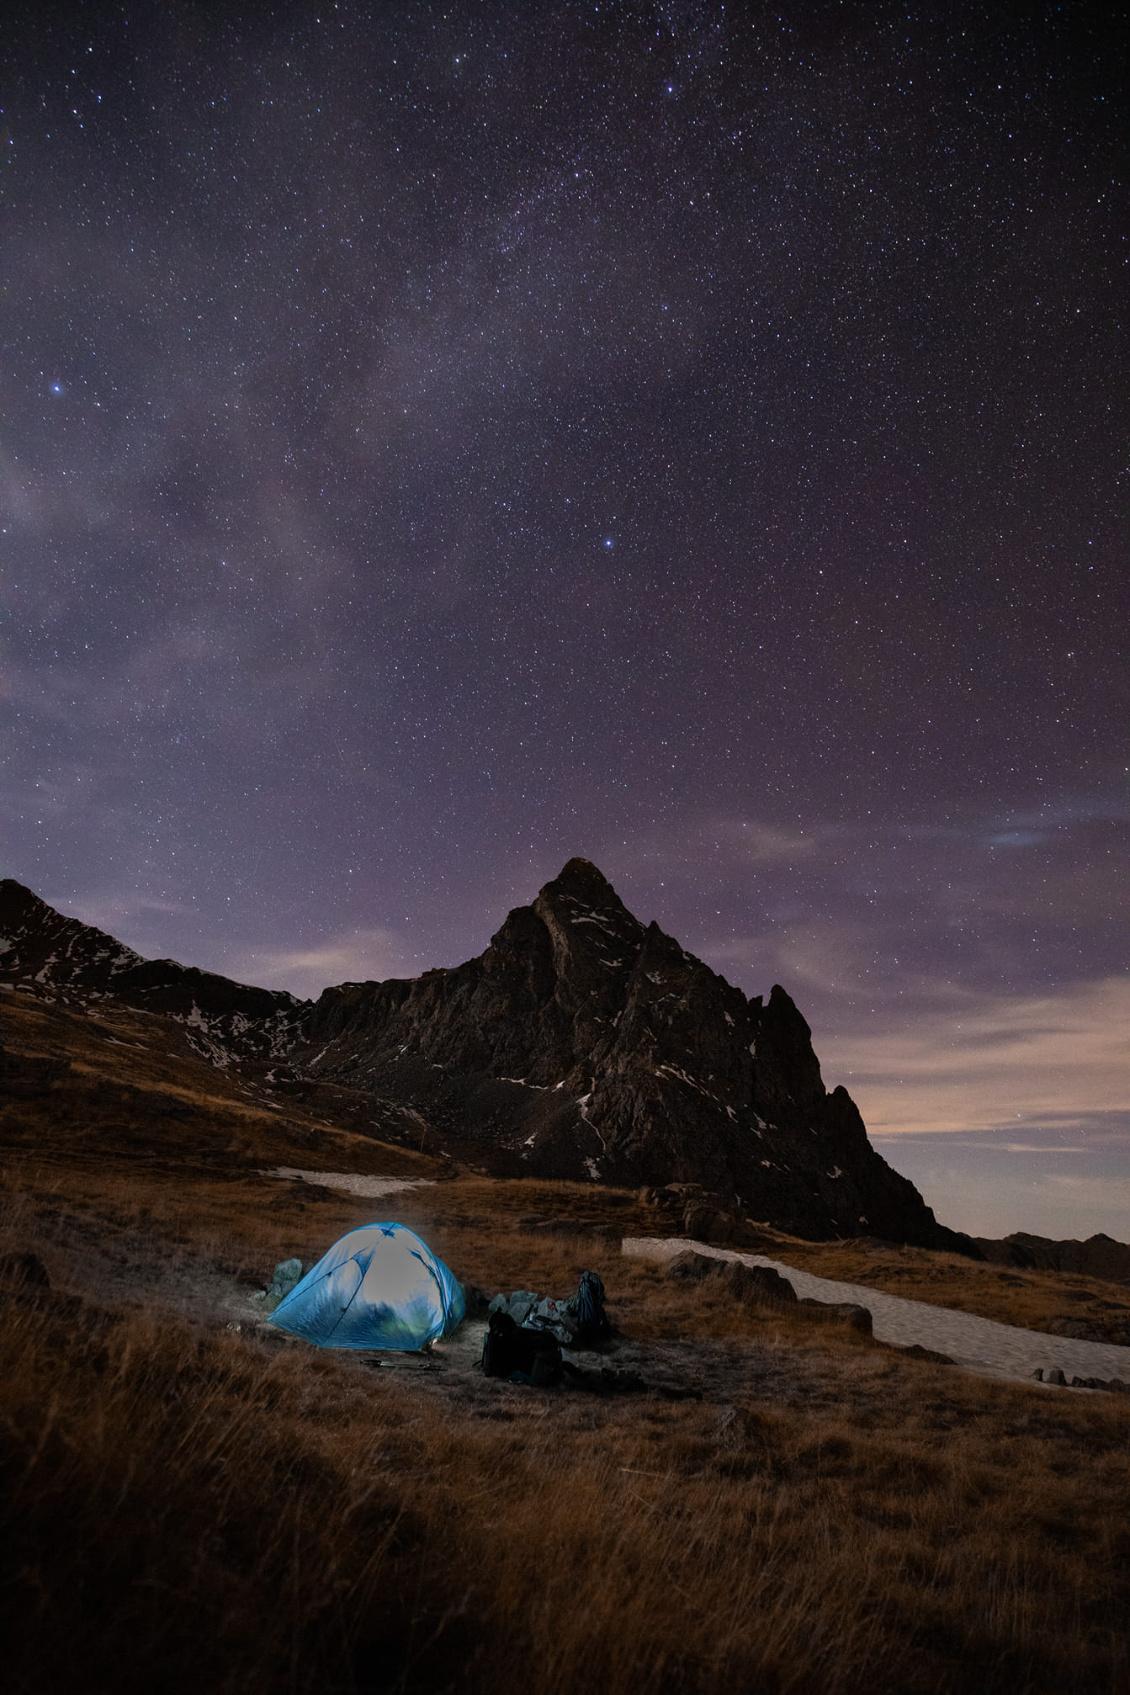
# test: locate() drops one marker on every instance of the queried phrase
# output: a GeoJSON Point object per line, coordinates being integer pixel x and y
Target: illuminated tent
{"type": "Point", "coordinates": [379, 1287]}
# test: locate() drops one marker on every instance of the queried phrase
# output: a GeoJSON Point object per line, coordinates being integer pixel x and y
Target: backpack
{"type": "Point", "coordinates": [586, 1309]}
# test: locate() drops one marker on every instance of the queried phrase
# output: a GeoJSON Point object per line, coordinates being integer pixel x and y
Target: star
{"type": "Point", "coordinates": [309, 655]}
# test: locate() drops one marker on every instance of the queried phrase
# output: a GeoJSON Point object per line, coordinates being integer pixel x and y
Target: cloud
{"type": "Point", "coordinates": [749, 841]}
{"type": "Point", "coordinates": [967, 1196]}
{"type": "Point", "coordinates": [115, 913]}
{"type": "Point", "coordinates": [1026, 1148]}
{"type": "Point", "coordinates": [722, 843]}
{"type": "Point", "coordinates": [824, 954]}
{"type": "Point", "coordinates": [361, 956]}
{"type": "Point", "coordinates": [978, 1061]}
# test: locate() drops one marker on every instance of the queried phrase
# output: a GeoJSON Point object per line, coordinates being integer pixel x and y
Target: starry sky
{"type": "Point", "coordinates": [442, 439]}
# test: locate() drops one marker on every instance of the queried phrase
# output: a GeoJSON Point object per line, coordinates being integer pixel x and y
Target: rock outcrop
{"type": "Point", "coordinates": [66, 960]}
{"type": "Point", "coordinates": [582, 1044]}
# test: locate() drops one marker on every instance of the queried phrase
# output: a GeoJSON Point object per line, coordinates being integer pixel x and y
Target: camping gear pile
{"type": "Point", "coordinates": [381, 1287]}
{"type": "Point", "coordinates": [526, 1333]}
{"type": "Point", "coordinates": [579, 1321]}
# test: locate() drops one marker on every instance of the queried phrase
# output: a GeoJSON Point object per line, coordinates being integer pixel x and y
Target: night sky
{"type": "Point", "coordinates": [442, 439]}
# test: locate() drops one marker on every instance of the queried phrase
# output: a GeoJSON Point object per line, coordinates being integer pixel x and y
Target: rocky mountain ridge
{"type": "Point", "coordinates": [77, 964]}
{"type": "Point", "coordinates": [1099, 1256]}
{"type": "Point", "coordinates": [582, 1044]}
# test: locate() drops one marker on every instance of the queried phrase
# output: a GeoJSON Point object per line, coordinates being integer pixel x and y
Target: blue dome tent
{"type": "Point", "coordinates": [379, 1287]}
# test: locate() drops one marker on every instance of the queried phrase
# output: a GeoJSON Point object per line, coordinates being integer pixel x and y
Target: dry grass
{"type": "Point", "coordinates": [203, 1508]}
{"type": "Point", "coordinates": [135, 1083]}
{"type": "Point", "coordinates": [194, 1507]}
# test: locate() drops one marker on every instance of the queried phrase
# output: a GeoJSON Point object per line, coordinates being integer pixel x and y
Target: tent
{"type": "Point", "coordinates": [379, 1287]}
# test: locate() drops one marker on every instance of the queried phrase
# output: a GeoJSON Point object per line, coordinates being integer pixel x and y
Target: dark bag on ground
{"type": "Point", "coordinates": [585, 1310]}
{"type": "Point", "coordinates": [508, 1349]}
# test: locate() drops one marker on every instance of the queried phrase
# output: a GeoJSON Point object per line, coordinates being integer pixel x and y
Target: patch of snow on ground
{"type": "Point", "coordinates": [351, 1182]}
{"type": "Point", "coordinates": [44, 974]}
{"type": "Point", "coordinates": [981, 1345]}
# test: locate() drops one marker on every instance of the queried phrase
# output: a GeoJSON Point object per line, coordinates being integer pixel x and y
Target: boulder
{"type": "Point", "coordinates": [690, 1267]}
{"type": "Point", "coordinates": [757, 1285]}
{"type": "Point", "coordinates": [706, 1224]}
{"type": "Point", "coordinates": [723, 1228]}
{"type": "Point", "coordinates": [749, 1285]}
{"type": "Point", "coordinates": [841, 1312]}
{"type": "Point", "coordinates": [1078, 1329]}
{"type": "Point", "coordinates": [917, 1352]}
{"type": "Point", "coordinates": [288, 1273]}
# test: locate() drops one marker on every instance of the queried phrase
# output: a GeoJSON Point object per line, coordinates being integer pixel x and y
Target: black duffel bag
{"type": "Point", "coordinates": [508, 1349]}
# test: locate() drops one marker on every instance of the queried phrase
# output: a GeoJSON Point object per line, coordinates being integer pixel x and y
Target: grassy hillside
{"type": "Point", "coordinates": [198, 1502]}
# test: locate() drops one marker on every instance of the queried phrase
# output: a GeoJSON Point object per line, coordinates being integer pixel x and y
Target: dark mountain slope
{"type": "Point", "coordinates": [63, 959]}
{"type": "Point", "coordinates": [1098, 1256]}
{"type": "Point", "coordinates": [581, 1044]}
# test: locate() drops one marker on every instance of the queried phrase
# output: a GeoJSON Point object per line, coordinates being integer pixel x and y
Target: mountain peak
{"type": "Point", "coordinates": [581, 899]}
{"type": "Point", "coordinates": [584, 881]}
{"type": "Point", "coordinates": [579, 1045]}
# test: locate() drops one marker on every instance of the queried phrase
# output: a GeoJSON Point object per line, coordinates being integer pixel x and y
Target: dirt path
{"type": "Point", "coordinates": [980, 1344]}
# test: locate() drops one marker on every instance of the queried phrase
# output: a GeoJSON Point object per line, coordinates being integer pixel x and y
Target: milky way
{"type": "Point", "coordinates": [442, 440]}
